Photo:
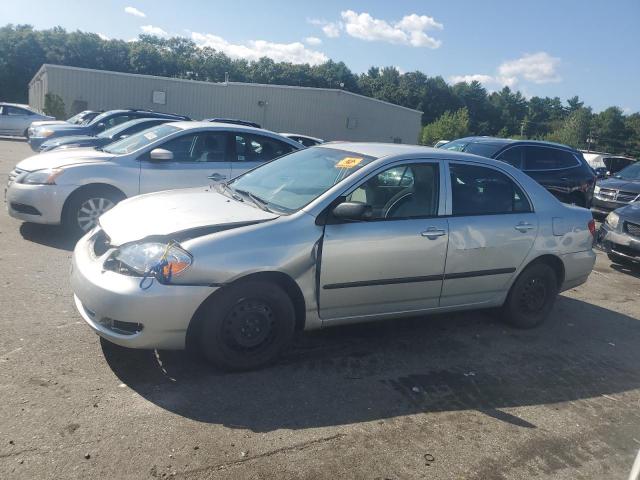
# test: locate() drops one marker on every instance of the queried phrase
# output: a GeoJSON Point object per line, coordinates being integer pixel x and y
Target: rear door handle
{"type": "Point", "coordinates": [524, 227]}
{"type": "Point", "coordinates": [216, 177]}
{"type": "Point", "coordinates": [432, 233]}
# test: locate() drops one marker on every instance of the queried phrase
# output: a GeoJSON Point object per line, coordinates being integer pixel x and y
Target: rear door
{"type": "Point", "coordinates": [492, 228]}
{"type": "Point", "coordinates": [251, 150]}
{"type": "Point", "coordinates": [199, 159]}
{"type": "Point", "coordinates": [392, 262]}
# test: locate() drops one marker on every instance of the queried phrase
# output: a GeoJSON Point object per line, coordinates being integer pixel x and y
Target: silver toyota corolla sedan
{"type": "Point", "coordinates": [333, 234]}
{"type": "Point", "coordinates": [74, 187]}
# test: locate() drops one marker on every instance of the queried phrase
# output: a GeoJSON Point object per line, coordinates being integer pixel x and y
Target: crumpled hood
{"type": "Point", "coordinates": [66, 129]}
{"type": "Point", "coordinates": [61, 158]}
{"type": "Point", "coordinates": [631, 212]}
{"type": "Point", "coordinates": [620, 184]}
{"type": "Point", "coordinates": [173, 211]}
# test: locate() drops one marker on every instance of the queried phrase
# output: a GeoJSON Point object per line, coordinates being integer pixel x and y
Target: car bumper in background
{"type": "Point", "coordinates": [37, 203]}
{"type": "Point", "coordinates": [619, 243]}
{"type": "Point", "coordinates": [117, 309]}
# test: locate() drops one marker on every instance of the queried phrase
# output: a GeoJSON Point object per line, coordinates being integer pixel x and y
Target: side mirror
{"type": "Point", "coordinates": [160, 154]}
{"type": "Point", "coordinates": [352, 211]}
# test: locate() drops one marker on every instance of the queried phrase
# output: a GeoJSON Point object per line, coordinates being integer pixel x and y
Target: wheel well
{"type": "Point", "coordinates": [283, 280]}
{"type": "Point", "coordinates": [87, 188]}
{"type": "Point", "coordinates": [555, 263]}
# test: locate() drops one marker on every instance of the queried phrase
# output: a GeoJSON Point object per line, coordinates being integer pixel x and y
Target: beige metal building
{"type": "Point", "coordinates": [330, 114]}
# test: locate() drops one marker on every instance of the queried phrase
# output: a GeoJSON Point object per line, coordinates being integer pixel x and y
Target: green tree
{"type": "Point", "coordinates": [54, 106]}
{"type": "Point", "coordinates": [574, 130]}
{"type": "Point", "coordinates": [448, 127]}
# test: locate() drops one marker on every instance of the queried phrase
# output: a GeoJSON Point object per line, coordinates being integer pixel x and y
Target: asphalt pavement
{"type": "Point", "coordinates": [447, 397]}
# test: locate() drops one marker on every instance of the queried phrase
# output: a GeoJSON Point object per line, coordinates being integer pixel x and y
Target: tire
{"type": "Point", "coordinates": [531, 297]}
{"type": "Point", "coordinates": [85, 206]}
{"type": "Point", "coordinates": [247, 326]}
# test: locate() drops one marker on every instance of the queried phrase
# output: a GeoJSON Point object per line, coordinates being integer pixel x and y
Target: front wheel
{"type": "Point", "coordinates": [531, 297]}
{"type": "Point", "coordinates": [85, 207]}
{"type": "Point", "coordinates": [247, 326]}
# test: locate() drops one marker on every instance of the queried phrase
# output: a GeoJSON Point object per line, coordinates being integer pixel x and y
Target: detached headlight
{"type": "Point", "coordinates": [612, 220]}
{"type": "Point", "coordinates": [41, 177]}
{"type": "Point", "coordinates": [158, 258]}
{"type": "Point", "coordinates": [596, 189]}
{"type": "Point", "coordinates": [45, 132]}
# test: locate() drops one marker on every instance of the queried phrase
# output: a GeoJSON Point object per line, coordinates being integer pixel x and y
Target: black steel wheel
{"type": "Point", "coordinates": [531, 297]}
{"type": "Point", "coordinates": [246, 325]}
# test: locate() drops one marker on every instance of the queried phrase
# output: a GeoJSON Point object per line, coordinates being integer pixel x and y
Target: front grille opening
{"type": "Point", "coordinates": [118, 326]}
{"type": "Point", "coordinates": [101, 243]}
{"type": "Point", "coordinates": [26, 209]}
{"type": "Point", "coordinates": [625, 250]}
{"type": "Point", "coordinates": [632, 229]}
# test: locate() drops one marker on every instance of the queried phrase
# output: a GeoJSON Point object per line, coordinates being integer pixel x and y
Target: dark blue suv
{"type": "Point", "coordinates": [100, 123]}
{"type": "Point", "coordinates": [560, 169]}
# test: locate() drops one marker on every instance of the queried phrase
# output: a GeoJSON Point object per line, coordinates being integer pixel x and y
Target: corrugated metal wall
{"type": "Point", "coordinates": [328, 114]}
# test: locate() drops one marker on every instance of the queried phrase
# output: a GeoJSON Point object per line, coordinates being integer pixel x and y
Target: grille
{"type": "Point", "coordinates": [618, 196]}
{"type": "Point", "coordinates": [633, 229]}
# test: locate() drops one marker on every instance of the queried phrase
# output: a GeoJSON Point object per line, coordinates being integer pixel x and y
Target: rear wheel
{"type": "Point", "coordinates": [531, 297]}
{"type": "Point", "coordinates": [85, 207]}
{"type": "Point", "coordinates": [247, 326]}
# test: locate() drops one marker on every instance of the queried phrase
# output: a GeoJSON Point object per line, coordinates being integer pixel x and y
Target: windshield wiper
{"type": "Point", "coordinates": [261, 203]}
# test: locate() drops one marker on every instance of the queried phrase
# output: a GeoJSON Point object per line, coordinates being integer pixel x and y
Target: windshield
{"type": "Point", "coordinates": [113, 131]}
{"type": "Point", "coordinates": [482, 149]}
{"type": "Point", "coordinates": [632, 172]}
{"type": "Point", "coordinates": [456, 145]}
{"type": "Point", "coordinates": [140, 139]}
{"type": "Point", "coordinates": [291, 182]}
{"type": "Point", "coordinates": [77, 118]}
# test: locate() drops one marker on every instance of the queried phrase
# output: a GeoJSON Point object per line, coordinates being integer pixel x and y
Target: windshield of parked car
{"type": "Point", "coordinates": [113, 131]}
{"type": "Point", "coordinates": [456, 145]}
{"type": "Point", "coordinates": [632, 172]}
{"type": "Point", "coordinates": [76, 119]}
{"type": "Point", "coordinates": [289, 183]}
{"type": "Point", "coordinates": [140, 139]}
{"type": "Point", "coordinates": [482, 149]}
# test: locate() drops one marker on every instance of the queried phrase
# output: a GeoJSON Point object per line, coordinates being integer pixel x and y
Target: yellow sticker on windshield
{"type": "Point", "coordinates": [349, 162]}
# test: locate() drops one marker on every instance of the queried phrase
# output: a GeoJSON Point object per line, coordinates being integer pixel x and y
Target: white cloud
{"type": "Point", "coordinates": [537, 67]}
{"type": "Point", "coordinates": [135, 12]}
{"type": "Point", "coordinates": [294, 52]}
{"type": "Point", "coordinates": [410, 30]}
{"type": "Point", "coordinates": [331, 30]}
{"type": "Point", "coordinates": [151, 30]}
{"type": "Point", "coordinates": [103, 36]}
{"type": "Point", "coordinates": [532, 67]}
{"type": "Point", "coordinates": [313, 41]}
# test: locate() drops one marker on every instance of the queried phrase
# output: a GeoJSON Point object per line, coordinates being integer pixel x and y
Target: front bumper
{"type": "Point", "coordinates": [164, 311]}
{"type": "Point", "coordinates": [37, 203]}
{"type": "Point", "coordinates": [619, 243]}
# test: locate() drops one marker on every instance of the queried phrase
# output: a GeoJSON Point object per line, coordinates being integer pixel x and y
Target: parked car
{"type": "Point", "coordinates": [440, 143]}
{"type": "Point", "coordinates": [81, 118]}
{"type": "Point", "coordinates": [99, 124]}
{"type": "Point", "coordinates": [615, 192]}
{"type": "Point", "coordinates": [110, 135]}
{"type": "Point", "coordinates": [233, 121]}
{"type": "Point", "coordinates": [305, 140]}
{"type": "Point", "coordinates": [560, 169]}
{"type": "Point", "coordinates": [75, 186]}
{"type": "Point", "coordinates": [620, 234]}
{"type": "Point", "coordinates": [15, 118]}
{"type": "Point", "coordinates": [315, 239]}
{"type": "Point", "coordinates": [606, 164]}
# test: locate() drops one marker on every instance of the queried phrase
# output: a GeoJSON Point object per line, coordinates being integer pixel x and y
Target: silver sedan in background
{"type": "Point", "coordinates": [15, 119]}
{"type": "Point", "coordinates": [74, 187]}
{"type": "Point", "coordinates": [333, 234]}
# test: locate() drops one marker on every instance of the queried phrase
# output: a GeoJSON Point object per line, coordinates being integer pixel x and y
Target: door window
{"type": "Point", "coordinates": [13, 111]}
{"type": "Point", "coordinates": [198, 147]}
{"type": "Point", "coordinates": [513, 156]}
{"type": "Point", "coordinates": [408, 191]}
{"type": "Point", "coordinates": [256, 148]}
{"type": "Point", "coordinates": [545, 158]}
{"type": "Point", "coordinates": [479, 190]}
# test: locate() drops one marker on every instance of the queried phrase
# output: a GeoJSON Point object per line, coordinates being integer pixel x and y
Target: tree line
{"type": "Point", "coordinates": [450, 111]}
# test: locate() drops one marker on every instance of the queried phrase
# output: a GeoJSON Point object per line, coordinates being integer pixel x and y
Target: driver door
{"type": "Point", "coordinates": [199, 159]}
{"type": "Point", "coordinates": [394, 261]}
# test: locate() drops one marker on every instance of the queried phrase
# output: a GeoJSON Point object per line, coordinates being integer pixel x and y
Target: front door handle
{"type": "Point", "coordinates": [524, 227]}
{"type": "Point", "coordinates": [432, 233]}
{"type": "Point", "coordinates": [216, 177]}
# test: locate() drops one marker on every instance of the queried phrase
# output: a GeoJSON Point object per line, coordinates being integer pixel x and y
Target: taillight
{"type": "Point", "coordinates": [592, 227]}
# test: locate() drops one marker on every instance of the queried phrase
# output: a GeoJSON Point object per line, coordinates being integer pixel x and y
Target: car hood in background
{"type": "Point", "coordinates": [620, 184]}
{"type": "Point", "coordinates": [173, 211]}
{"type": "Point", "coordinates": [631, 212]}
{"type": "Point", "coordinates": [42, 123]}
{"type": "Point", "coordinates": [61, 158]}
{"type": "Point", "coordinates": [67, 129]}
{"type": "Point", "coordinates": [74, 139]}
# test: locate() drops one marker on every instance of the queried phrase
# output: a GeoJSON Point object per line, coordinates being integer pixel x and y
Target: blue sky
{"type": "Point", "coordinates": [556, 48]}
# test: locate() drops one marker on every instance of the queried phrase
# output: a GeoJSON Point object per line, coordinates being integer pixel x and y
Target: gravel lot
{"type": "Point", "coordinates": [452, 396]}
